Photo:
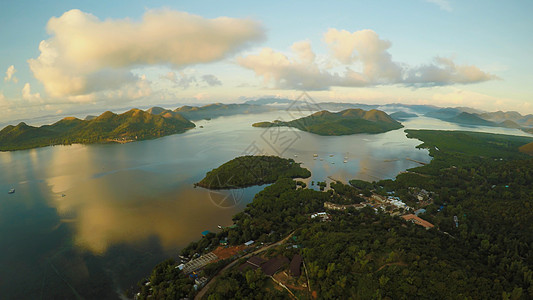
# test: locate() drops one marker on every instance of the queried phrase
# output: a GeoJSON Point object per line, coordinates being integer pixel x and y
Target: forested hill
{"type": "Point", "coordinates": [349, 121]}
{"type": "Point", "coordinates": [250, 170]}
{"type": "Point", "coordinates": [132, 125]}
{"type": "Point", "coordinates": [213, 110]}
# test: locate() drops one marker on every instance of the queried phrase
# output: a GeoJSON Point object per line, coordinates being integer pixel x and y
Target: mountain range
{"type": "Point", "coordinates": [132, 125]}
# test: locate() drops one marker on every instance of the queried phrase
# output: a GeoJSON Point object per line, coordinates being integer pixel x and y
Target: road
{"type": "Point", "coordinates": [206, 287]}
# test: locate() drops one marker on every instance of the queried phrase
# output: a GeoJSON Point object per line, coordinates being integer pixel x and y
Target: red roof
{"type": "Point", "coordinates": [418, 221]}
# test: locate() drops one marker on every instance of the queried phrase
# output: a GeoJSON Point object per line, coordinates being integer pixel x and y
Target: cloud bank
{"type": "Point", "coordinates": [365, 61]}
{"type": "Point", "coordinates": [86, 55]}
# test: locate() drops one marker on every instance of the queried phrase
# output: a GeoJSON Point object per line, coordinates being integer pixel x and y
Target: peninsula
{"type": "Point", "coordinates": [133, 125]}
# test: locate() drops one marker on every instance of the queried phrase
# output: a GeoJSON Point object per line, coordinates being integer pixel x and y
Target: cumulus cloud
{"type": "Point", "coordinates": [442, 4]}
{"type": "Point", "coordinates": [27, 95]}
{"type": "Point", "coordinates": [443, 71]}
{"type": "Point", "coordinates": [364, 60]}
{"type": "Point", "coordinates": [86, 55]}
{"type": "Point", "coordinates": [10, 74]}
{"type": "Point", "coordinates": [366, 47]}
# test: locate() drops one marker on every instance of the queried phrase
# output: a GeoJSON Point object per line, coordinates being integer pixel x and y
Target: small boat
{"type": "Point", "coordinates": [63, 195]}
{"type": "Point", "coordinates": [345, 161]}
{"type": "Point", "coordinates": [11, 191]}
{"type": "Point", "coordinates": [331, 155]}
{"type": "Point", "coordinates": [315, 155]}
{"type": "Point", "coordinates": [322, 159]}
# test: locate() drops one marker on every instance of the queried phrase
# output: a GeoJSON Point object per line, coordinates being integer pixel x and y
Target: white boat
{"type": "Point", "coordinates": [11, 191]}
{"type": "Point", "coordinates": [315, 155]}
{"type": "Point", "coordinates": [345, 161]}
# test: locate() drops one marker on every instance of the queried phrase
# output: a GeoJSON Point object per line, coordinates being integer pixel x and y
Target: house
{"type": "Point", "coordinates": [295, 266]}
{"type": "Point", "coordinates": [272, 266]}
{"type": "Point", "coordinates": [418, 221]}
{"type": "Point", "coordinates": [323, 215]}
{"type": "Point", "coordinates": [200, 281]}
{"type": "Point", "coordinates": [253, 263]}
{"type": "Point", "coordinates": [249, 243]}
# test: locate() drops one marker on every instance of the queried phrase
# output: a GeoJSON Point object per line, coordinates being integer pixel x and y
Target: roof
{"type": "Point", "coordinates": [273, 265]}
{"type": "Point", "coordinates": [252, 263]}
{"type": "Point", "coordinates": [295, 266]}
{"type": "Point", "coordinates": [417, 220]}
{"type": "Point", "coordinates": [256, 261]}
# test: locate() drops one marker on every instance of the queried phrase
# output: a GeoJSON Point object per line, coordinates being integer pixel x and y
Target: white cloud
{"type": "Point", "coordinates": [366, 47]}
{"type": "Point", "coordinates": [445, 72]}
{"type": "Point", "coordinates": [211, 80]}
{"type": "Point", "coordinates": [10, 74]}
{"type": "Point", "coordinates": [364, 61]}
{"type": "Point", "coordinates": [86, 55]}
{"type": "Point", "coordinates": [442, 4]}
{"type": "Point", "coordinates": [27, 95]}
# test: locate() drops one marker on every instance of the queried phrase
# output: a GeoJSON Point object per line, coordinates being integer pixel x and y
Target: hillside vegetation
{"type": "Point", "coordinates": [130, 126]}
{"type": "Point", "coordinates": [252, 170]}
{"type": "Point", "coordinates": [349, 121]}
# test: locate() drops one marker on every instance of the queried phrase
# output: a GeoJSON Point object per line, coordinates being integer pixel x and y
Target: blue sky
{"type": "Point", "coordinates": [447, 53]}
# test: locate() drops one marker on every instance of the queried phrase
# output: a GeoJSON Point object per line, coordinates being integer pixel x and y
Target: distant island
{"type": "Point", "coordinates": [402, 115]}
{"type": "Point", "coordinates": [349, 121]}
{"type": "Point", "coordinates": [250, 170]}
{"type": "Point", "coordinates": [211, 110]}
{"type": "Point", "coordinates": [467, 116]}
{"type": "Point", "coordinates": [133, 125]}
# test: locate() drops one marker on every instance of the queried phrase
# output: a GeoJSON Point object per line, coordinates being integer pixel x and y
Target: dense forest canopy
{"type": "Point", "coordinates": [349, 121]}
{"type": "Point", "coordinates": [252, 170]}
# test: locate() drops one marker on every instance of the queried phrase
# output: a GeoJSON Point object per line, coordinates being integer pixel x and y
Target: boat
{"type": "Point", "coordinates": [345, 161]}
{"type": "Point", "coordinates": [295, 155]}
{"type": "Point", "coordinates": [315, 155]}
{"type": "Point", "coordinates": [11, 191]}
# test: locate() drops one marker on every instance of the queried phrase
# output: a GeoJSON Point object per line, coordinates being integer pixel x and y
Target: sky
{"type": "Point", "coordinates": [68, 57]}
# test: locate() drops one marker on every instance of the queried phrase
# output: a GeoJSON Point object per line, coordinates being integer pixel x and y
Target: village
{"type": "Point", "coordinates": [287, 273]}
{"type": "Point", "coordinates": [390, 204]}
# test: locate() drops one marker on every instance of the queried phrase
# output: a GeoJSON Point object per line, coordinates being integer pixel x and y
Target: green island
{"type": "Point", "coordinates": [457, 228]}
{"type": "Point", "coordinates": [349, 121]}
{"type": "Point", "coordinates": [133, 125]}
{"type": "Point", "coordinates": [251, 170]}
